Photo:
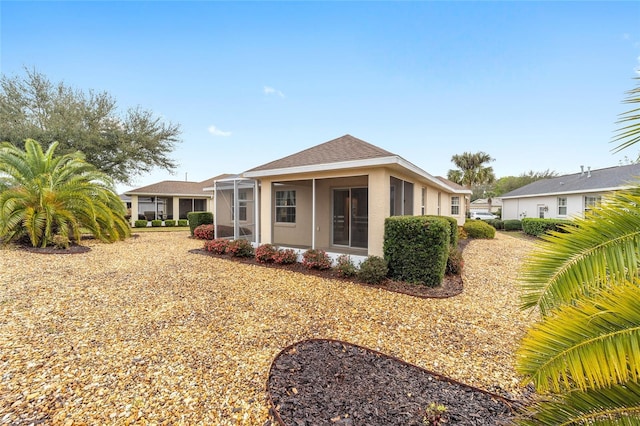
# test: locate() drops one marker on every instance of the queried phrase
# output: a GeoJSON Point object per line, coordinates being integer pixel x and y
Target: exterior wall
{"type": "Point", "coordinates": [377, 180]}
{"type": "Point", "coordinates": [519, 208]}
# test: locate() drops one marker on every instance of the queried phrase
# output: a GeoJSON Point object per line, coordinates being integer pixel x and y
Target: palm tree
{"type": "Point", "coordinates": [471, 170]}
{"type": "Point", "coordinates": [583, 356]}
{"type": "Point", "coordinates": [49, 200]}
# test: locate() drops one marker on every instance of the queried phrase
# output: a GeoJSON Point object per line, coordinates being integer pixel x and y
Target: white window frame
{"type": "Point", "coordinates": [562, 205]}
{"type": "Point", "coordinates": [455, 205]}
{"type": "Point", "coordinates": [289, 199]}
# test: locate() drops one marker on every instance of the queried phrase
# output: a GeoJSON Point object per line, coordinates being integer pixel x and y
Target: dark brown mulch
{"type": "Point", "coordinates": [452, 285]}
{"type": "Point", "coordinates": [329, 382]}
{"type": "Point", "coordinates": [73, 249]}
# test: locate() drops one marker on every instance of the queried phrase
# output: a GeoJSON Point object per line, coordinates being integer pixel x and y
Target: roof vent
{"type": "Point", "coordinates": [589, 171]}
{"type": "Point", "coordinates": [581, 171]}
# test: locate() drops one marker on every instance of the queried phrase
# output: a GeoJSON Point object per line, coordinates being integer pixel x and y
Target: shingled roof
{"type": "Point", "coordinates": [176, 187]}
{"type": "Point", "coordinates": [345, 148]}
{"type": "Point", "coordinates": [607, 179]}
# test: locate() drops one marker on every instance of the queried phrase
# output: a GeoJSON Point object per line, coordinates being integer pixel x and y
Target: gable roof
{"type": "Point", "coordinates": [607, 179]}
{"type": "Point", "coordinates": [345, 152]}
{"type": "Point", "coordinates": [345, 148]}
{"type": "Point", "coordinates": [176, 187]}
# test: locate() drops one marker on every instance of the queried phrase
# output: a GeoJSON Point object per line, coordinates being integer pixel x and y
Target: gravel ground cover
{"type": "Point", "coordinates": [145, 332]}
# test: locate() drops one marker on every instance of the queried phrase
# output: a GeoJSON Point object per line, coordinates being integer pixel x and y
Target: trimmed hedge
{"type": "Point", "coordinates": [479, 229]}
{"type": "Point", "coordinates": [156, 223]}
{"type": "Point", "coordinates": [169, 223]}
{"type": "Point", "coordinates": [537, 226]}
{"type": "Point", "coordinates": [141, 223]}
{"type": "Point", "coordinates": [416, 248]}
{"type": "Point", "coordinates": [198, 218]}
{"type": "Point", "coordinates": [183, 222]}
{"type": "Point", "coordinates": [496, 223]}
{"type": "Point", "coordinates": [453, 223]}
{"type": "Point", "coordinates": [512, 225]}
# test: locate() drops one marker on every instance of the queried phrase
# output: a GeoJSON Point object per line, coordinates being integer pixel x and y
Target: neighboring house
{"type": "Point", "coordinates": [334, 196]}
{"type": "Point", "coordinates": [170, 199]}
{"type": "Point", "coordinates": [567, 196]}
{"type": "Point", "coordinates": [483, 205]}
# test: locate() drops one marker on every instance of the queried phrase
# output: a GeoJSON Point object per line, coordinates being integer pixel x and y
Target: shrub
{"type": "Point", "coordinates": [496, 223]}
{"type": "Point", "coordinates": [199, 218]}
{"type": "Point", "coordinates": [416, 248]}
{"type": "Point", "coordinates": [512, 225]}
{"type": "Point", "coordinates": [345, 266]}
{"type": "Point", "coordinates": [217, 246]}
{"type": "Point", "coordinates": [240, 248]}
{"type": "Point", "coordinates": [537, 226]}
{"type": "Point", "coordinates": [462, 234]}
{"type": "Point", "coordinates": [204, 232]}
{"type": "Point", "coordinates": [141, 223]}
{"type": "Point", "coordinates": [454, 262]}
{"type": "Point", "coordinates": [479, 229]}
{"type": "Point", "coordinates": [373, 270]}
{"type": "Point", "coordinates": [156, 223]}
{"type": "Point", "coordinates": [183, 222]}
{"type": "Point", "coordinates": [285, 257]}
{"type": "Point", "coordinates": [453, 223]}
{"type": "Point", "coordinates": [61, 242]}
{"type": "Point", "coordinates": [265, 253]}
{"type": "Point", "coordinates": [316, 259]}
{"type": "Point", "coordinates": [169, 223]}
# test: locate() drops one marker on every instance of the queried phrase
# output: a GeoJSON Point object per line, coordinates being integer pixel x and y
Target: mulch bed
{"type": "Point", "coordinates": [452, 285]}
{"type": "Point", "coordinates": [331, 382]}
{"type": "Point", "coordinates": [73, 249]}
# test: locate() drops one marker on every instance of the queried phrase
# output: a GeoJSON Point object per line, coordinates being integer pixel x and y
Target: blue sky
{"type": "Point", "coordinates": [537, 85]}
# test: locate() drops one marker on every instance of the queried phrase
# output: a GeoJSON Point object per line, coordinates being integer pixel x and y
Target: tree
{"type": "Point", "coordinates": [122, 146]}
{"type": "Point", "coordinates": [509, 183]}
{"type": "Point", "coordinates": [582, 356]}
{"type": "Point", "coordinates": [471, 170]}
{"type": "Point", "coordinates": [47, 200]}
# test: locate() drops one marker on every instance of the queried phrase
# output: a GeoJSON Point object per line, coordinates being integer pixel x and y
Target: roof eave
{"type": "Point", "coordinates": [581, 191]}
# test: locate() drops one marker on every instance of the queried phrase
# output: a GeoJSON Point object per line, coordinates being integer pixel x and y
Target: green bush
{"type": "Point", "coordinates": [416, 248]}
{"type": "Point", "coordinates": [345, 266]}
{"type": "Point", "coordinates": [512, 225]}
{"type": "Point", "coordinates": [454, 262]}
{"type": "Point", "coordinates": [496, 223]}
{"type": "Point", "coordinates": [169, 223]}
{"type": "Point", "coordinates": [183, 222]}
{"type": "Point", "coordinates": [479, 229]}
{"type": "Point", "coordinates": [537, 226]}
{"type": "Point", "coordinates": [240, 248]}
{"type": "Point", "coordinates": [141, 223]}
{"type": "Point", "coordinates": [156, 223]}
{"type": "Point", "coordinates": [454, 233]}
{"type": "Point", "coordinates": [199, 218]}
{"type": "Point", "coordinates": [373, 270]}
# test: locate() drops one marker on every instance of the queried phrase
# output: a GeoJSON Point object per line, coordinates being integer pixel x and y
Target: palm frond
{"type": "Point", "coordinates": [592, 344]}
{"type": "Point", "coordinates": [602, 247]}
{"type": "Point", "coordinates": [614, 406]}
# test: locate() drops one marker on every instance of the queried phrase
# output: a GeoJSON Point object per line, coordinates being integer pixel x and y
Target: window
{"type": "Point", "coordinates": [562, 206]}
{"type": "Point", "coordinates": [590, 202]}
{"type": "Point", "coordinates": [242, 206]}
{"type": "Point", "coordinates": [424, 199]}
{"type": "Point", "coordinates": [401, 197]}
{"type": "Point", "coordinates": [455, 206]}
{"type": "Point", "coordinates": [286, 206]}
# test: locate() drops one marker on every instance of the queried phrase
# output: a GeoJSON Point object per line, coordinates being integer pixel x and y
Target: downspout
{"type": "Point", "coordinates": [236, 211]}
{"type": "Point", "coordinates": [256, 206]}
{"type": "Point", "coordinates": [313, 213]}
{"type": "Point", "coordinates": [215, 209]}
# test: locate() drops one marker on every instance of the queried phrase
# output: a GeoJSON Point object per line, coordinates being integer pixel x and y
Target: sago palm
{"type": "Point", "coordinates": [583, 356]}
{"type": "Point", "coordinates": [46, 199]}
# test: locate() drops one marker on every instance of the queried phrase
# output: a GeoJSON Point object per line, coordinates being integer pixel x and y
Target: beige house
{"type": "Point", "coordinates": [334, 196]}
{"type": "Point", "coordinates": [170, 199]}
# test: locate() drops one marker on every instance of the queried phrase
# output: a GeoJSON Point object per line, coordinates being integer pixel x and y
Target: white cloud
{"type": "Point", "coordinates": [217, 132]}
{"type": "Point", "coordinates": [271, 91]}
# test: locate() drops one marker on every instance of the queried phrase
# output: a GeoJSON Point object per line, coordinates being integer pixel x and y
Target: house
{"type": "Point", "coordinates": [567, 196]}
{"type": "Point", "coordinates": [334, 196]}
{"type": "Point", "coordinates": [491, 205]}
{"type": "Point", "coordinates": [170, 199]}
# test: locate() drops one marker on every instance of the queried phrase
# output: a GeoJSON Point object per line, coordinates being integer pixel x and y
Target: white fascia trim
{"type": "Point", "coordinates": [585, 191]}
{"type": "Point", "coordinates": [160, 194]}
{"type": "Point", "coordinates": [342, 165]}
